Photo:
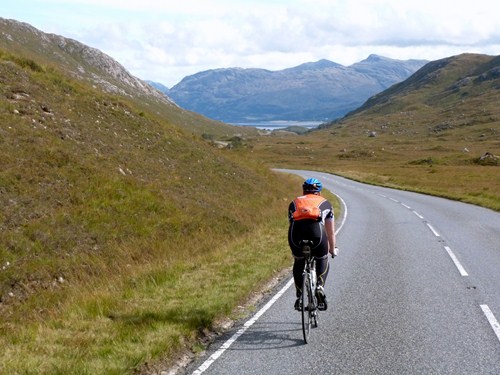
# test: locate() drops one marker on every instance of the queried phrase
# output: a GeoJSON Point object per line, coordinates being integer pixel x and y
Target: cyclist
{"type": "Point", "coordinates": [320, 231]}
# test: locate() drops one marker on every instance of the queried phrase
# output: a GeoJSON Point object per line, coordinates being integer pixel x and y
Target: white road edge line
{"type": "Point", "coordinates": [344, 216]}
{"type": "Point", "coordinates": [241, 331]}
{"type": "Point", "coordinates": [406, 206]}
{"type": "Point", "coordinates": [433, 230]}
{"type": "Point", "coordinates": [205, 365]}
{"type": "Point", "coordinates": [455, 260]}
{"type": "Point", "coordinates": [491, 318]}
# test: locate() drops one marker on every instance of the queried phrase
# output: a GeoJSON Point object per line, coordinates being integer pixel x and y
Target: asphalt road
{"type": "Point", "coordinates": [415, 290]}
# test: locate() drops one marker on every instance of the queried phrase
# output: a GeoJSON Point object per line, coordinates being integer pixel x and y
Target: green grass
{"type": "Point", "coordinates": [152, 313]}
{"type": "Point", "coordinates": [127, 237]}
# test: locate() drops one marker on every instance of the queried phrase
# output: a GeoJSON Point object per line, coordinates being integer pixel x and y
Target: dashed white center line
{"type": "Point", "coordinates": [418, 215]}
{"type": "Point", "coordinates": [486, 310]}
{"type": "Point", "coordinates": [455, 260]}
{"type": "Point", "coordinates": [491, 318]}
{"type": "Point", "coordinates": [433, 230]}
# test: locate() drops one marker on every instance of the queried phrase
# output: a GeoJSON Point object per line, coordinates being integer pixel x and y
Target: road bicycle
{"type": "Point", "coordinates": [309, 301]}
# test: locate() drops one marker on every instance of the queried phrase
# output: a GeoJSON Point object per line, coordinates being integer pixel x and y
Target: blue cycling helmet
{"type": "Point", "coordinates": [312, 185]}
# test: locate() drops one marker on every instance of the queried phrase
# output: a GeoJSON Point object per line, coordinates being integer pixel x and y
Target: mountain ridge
{"type": "Point", "coordinates": [319, 90]}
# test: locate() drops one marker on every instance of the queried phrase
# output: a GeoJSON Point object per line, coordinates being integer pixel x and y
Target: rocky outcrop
{"type": "Point", "coordinates": [79, 60]}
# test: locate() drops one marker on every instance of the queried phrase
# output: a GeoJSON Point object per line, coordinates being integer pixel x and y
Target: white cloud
{"type": "Point", "coordinates": [167, 40]}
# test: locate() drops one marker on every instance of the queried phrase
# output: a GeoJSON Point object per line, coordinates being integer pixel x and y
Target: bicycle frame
{"type": "Point", "coordinates": [309, 309]}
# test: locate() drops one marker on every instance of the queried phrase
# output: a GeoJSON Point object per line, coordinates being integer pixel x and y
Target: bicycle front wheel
{"type": "Point", "coordinates": [307, 302]}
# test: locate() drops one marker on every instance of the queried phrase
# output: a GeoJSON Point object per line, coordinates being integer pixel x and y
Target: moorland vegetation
{"type": "Point", "coordinates": [130, 230]}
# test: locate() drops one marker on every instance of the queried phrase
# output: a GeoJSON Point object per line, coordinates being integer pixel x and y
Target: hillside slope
{"type": "Point", "coordinates": [81, 171]}
{"type": "Point", "coordinates": [85, 63]}
{"type": "Point", "coordinates": [105, 209]}
{"type": "Point", "coordinates": [440, 83]}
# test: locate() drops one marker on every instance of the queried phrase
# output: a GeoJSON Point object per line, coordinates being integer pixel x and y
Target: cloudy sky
{"type": "Point", "coordinates": [166, 40]}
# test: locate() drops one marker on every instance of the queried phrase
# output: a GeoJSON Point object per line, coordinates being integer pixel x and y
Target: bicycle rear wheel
{"type": "Point", "coordinates": [307, 302]}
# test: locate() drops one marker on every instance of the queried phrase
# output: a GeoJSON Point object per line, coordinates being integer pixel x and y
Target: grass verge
{"type": "Point", "coordinates": [136, 321]}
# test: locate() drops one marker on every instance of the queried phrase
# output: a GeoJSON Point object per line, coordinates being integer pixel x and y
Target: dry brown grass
{"type": "Point", "coordinates": [434, 150]}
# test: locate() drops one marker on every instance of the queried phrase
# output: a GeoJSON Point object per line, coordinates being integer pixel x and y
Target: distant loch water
{"type": "Point", "coordinates": [279, 124]}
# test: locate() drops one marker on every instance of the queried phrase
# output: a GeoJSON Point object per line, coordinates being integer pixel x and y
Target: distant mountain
{"type": "Point", "coordinates": [319, 90]}
{"type": "Point", "coordinates": [162, 88]}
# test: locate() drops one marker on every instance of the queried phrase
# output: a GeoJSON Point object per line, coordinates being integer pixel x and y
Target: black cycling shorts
{"type": "Point", "coordinates": [308, 230]}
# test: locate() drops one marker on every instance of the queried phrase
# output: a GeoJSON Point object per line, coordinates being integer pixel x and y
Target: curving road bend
{"type": "Point", "coordinates": [415, 290]}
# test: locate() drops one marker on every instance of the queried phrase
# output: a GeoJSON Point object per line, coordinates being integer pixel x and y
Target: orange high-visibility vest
{"type": "Point", "coordinates": [307, 207]}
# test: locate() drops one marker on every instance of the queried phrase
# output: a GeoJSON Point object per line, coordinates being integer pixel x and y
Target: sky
{"type": "Point", "coordinates": [167, 40]}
